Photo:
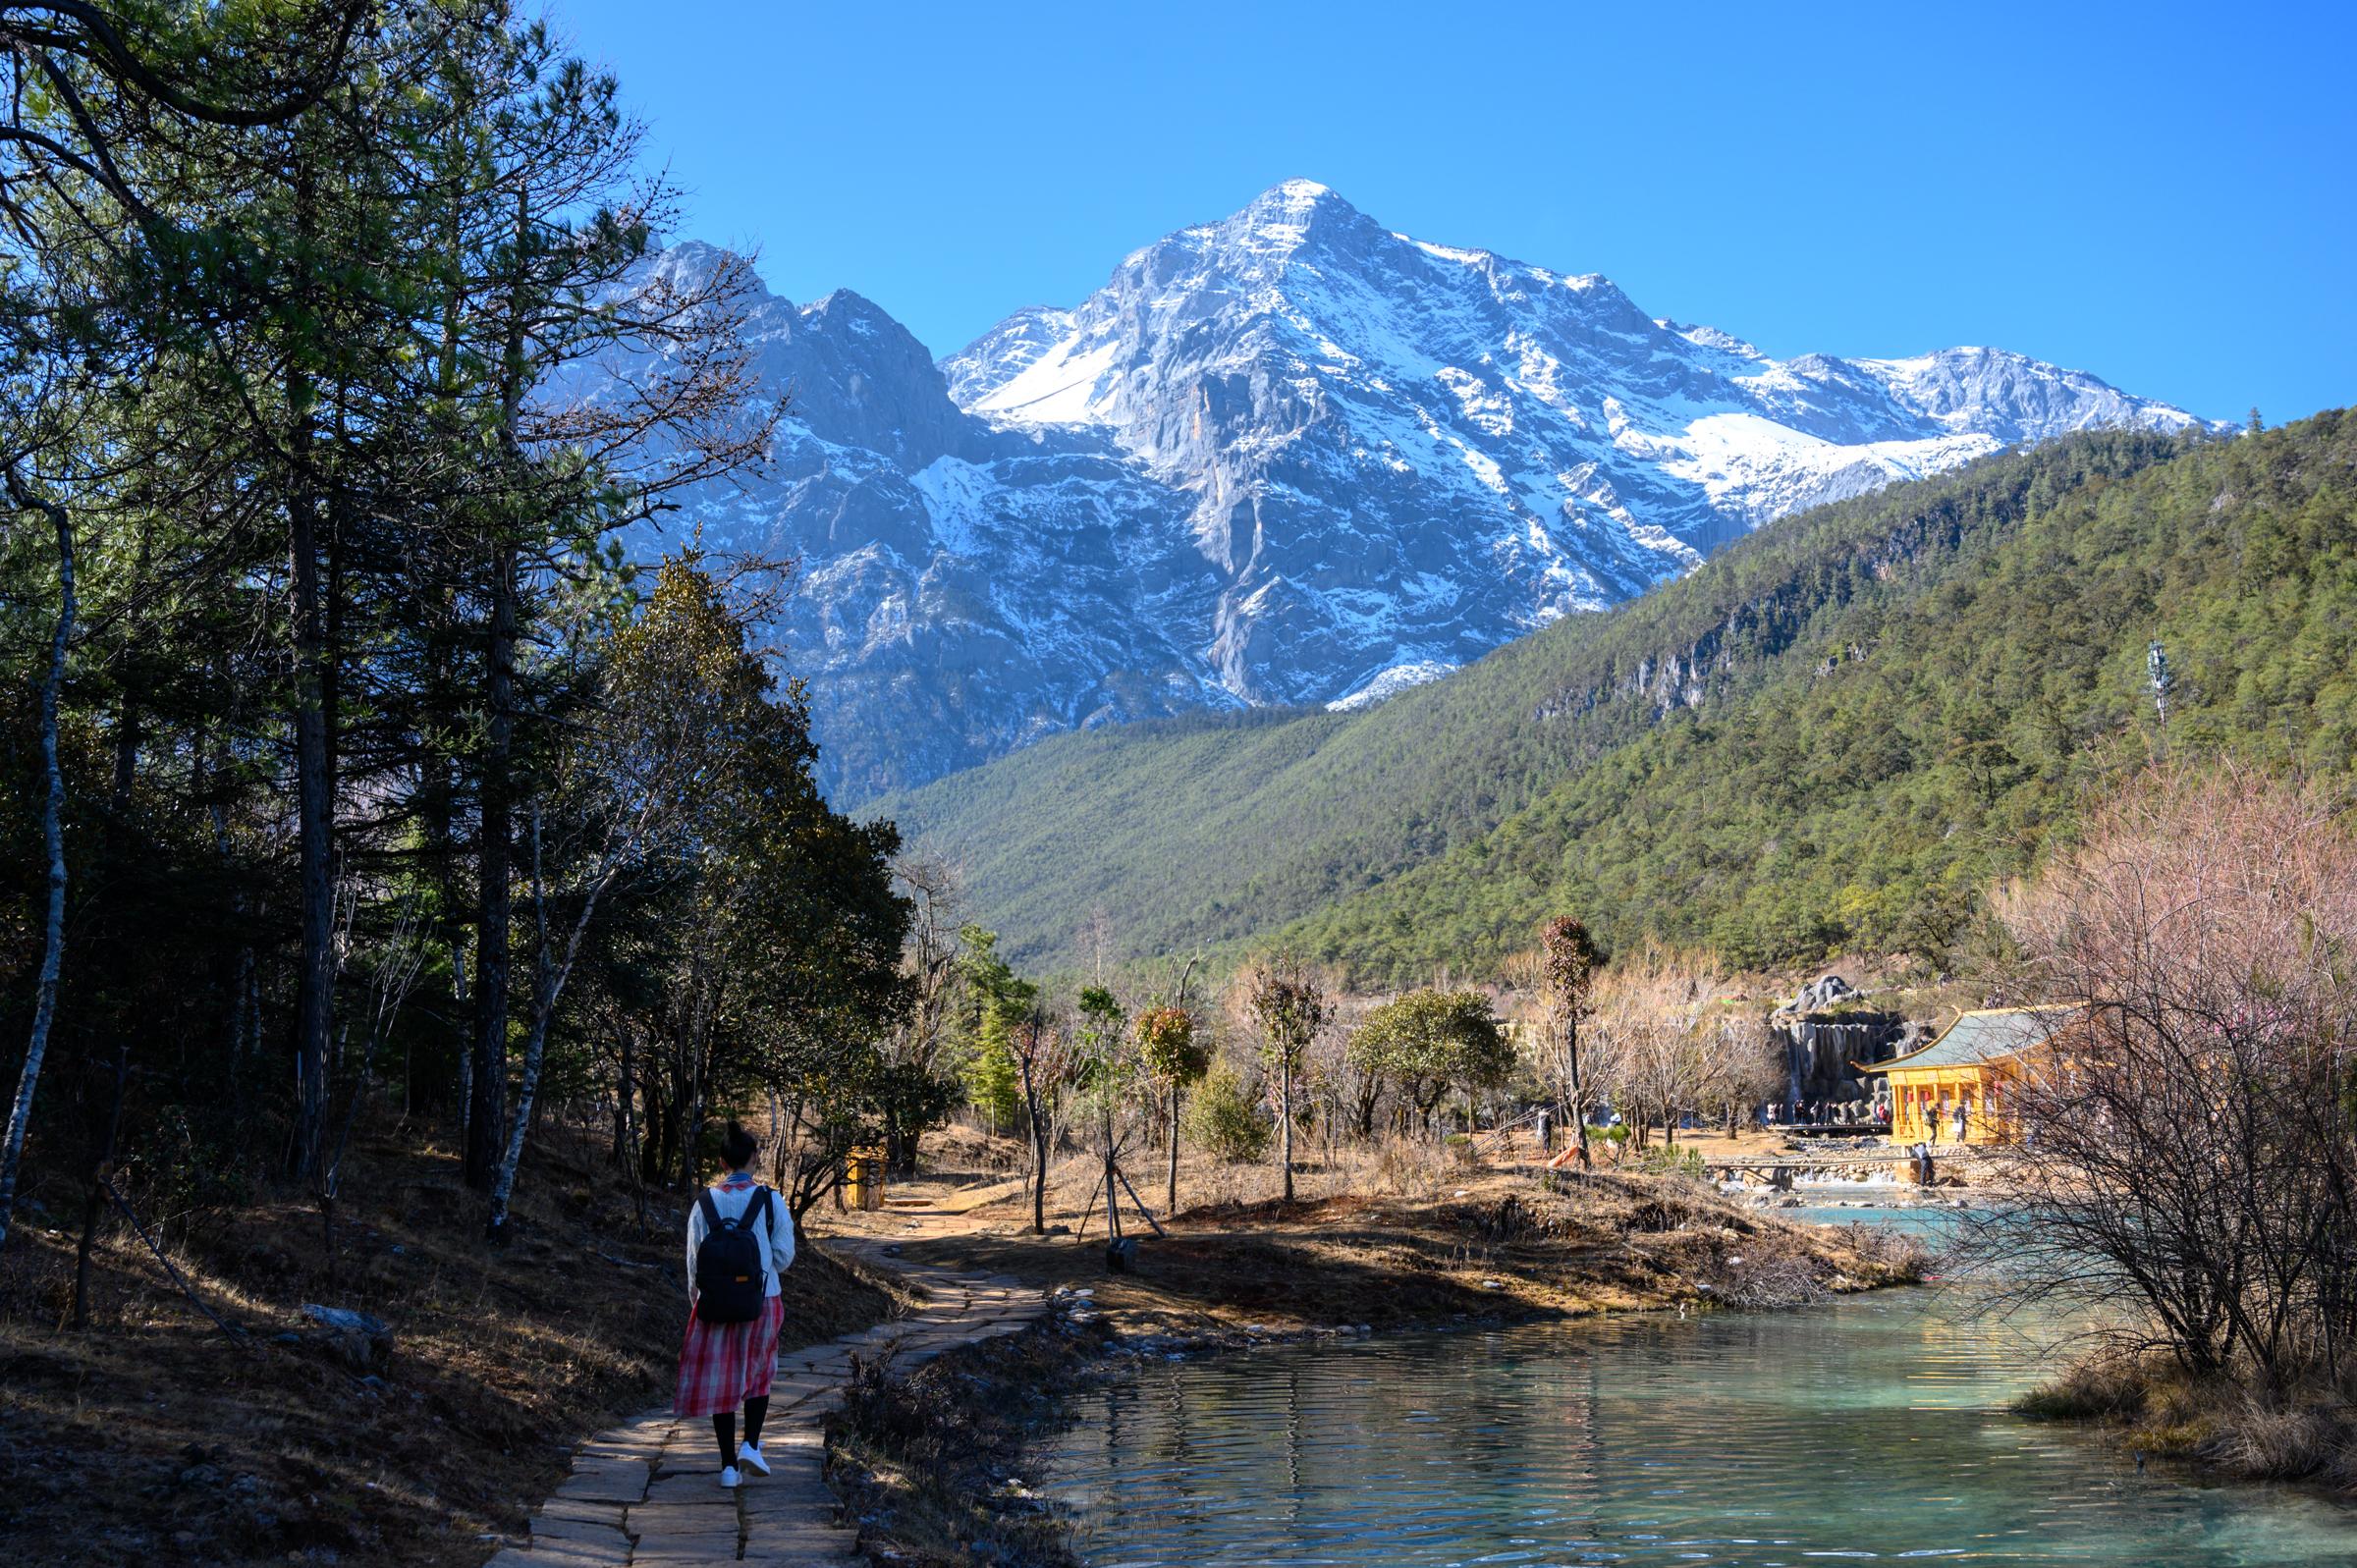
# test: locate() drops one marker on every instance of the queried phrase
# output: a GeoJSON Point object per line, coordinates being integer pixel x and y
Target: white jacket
{"type": "Point", "coordinates": [775, 1237]}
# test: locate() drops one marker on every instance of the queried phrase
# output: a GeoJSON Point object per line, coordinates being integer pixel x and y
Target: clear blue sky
{"type": "Point", "coordinates": [2165, 195]}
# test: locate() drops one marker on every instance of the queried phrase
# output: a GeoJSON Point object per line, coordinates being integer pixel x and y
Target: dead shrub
{"type": "Point", "coordinates": [1405, 1168]}
{"type": "Point", "coordinates": [2280, 1444]}
{"type": "Point", "coordinates": [2098, 1388]}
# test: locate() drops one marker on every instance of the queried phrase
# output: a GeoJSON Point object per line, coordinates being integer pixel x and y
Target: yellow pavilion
{"type": "Point", "coordinates": [1974, 1065]}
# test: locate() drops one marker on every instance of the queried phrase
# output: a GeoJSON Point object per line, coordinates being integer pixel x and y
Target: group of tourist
{"type": "Point", "coordinates": [1829, 1113]}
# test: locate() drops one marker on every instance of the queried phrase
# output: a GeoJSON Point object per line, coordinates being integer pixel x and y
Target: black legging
{"type": "Point", "coordinates": [724, 1427]}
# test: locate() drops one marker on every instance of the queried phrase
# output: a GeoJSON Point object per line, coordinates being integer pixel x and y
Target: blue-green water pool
{"type": "Point", "coordinates": [1871, 1427]}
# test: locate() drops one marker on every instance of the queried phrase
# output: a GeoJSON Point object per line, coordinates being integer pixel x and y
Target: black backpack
{"type": "Point", "coordinates": [729, 1286]}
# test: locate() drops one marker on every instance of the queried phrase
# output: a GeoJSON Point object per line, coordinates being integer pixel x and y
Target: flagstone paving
{"type": "Point", "coordinates": [646, 1493]}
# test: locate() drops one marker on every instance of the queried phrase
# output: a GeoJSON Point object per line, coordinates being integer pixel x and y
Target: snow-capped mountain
{"type": "Point", "coordinates": [960, 589]}
{"type": "Point", "coordinates": [1290, 456]}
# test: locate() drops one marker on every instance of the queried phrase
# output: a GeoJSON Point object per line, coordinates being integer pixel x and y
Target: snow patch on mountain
{"type": "Point", "coordinates": [1390, 682]}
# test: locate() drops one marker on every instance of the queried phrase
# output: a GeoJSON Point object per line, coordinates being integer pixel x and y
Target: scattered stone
{"type": "Point", "coordinates": [358, 1340]}
{"type": "Point", "coordinates": [345, 1321]}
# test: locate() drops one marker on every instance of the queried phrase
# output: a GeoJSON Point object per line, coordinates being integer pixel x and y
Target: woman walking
{"type": "Point", "coordinates": [740, 1240]}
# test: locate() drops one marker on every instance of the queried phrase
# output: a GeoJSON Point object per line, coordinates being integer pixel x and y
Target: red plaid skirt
{"type": "Point", "coordinates": [724, 1363]}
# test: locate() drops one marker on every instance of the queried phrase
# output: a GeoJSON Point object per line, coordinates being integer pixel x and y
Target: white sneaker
{"type": "Point", "coordinates": [749, 1455]}
{"type": "Point", "coordinates": [728, 1476]}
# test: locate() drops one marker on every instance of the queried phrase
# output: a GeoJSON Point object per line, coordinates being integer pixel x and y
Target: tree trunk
{"type": "Point", "coordinates": [1113, 1207]}
{"type": "Point", "coordinates": [314, 784]}
{"type": "Point", "coordinates": [1284, 1121]}
{"type": "Point", "coordinates": [496, 851]}
{"type": "Point", "coordinates": [550, 971]}
{"type": "Point", "coordinates": [1169, 1197]}
{"type": "Point", "coordinates": [1579, 1094]}
{"type": "Point", "coordinates": [660, 1130]}
{"type": "Point", "coordinates": [93, 1202]}
{"type": "Point", "coordinates": [486, 1121]}
{"type": "Point", "coordinates": [1039, 1178]}
{"type": "Point", "coordinates": [547, 984]}
{"type": "Point", "coordinates": [625, 1088]}
{"type": "Point", "coordinates": [314, 804]}
{"type": "Point", "coordinates": [692, 1125]}
{"type": "Point", "coordinates": [53, 833]}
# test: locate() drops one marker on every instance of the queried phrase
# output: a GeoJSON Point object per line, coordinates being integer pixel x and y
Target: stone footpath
{"type": "Point", "coordinates": [648, 1493]}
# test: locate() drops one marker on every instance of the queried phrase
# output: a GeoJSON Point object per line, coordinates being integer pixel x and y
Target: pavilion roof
{"type": "Point", "coordinates": [1986, 1035]}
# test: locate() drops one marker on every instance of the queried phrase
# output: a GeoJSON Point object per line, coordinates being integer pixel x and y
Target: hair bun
{"type": "Point", "coordinates": [736, 1146]}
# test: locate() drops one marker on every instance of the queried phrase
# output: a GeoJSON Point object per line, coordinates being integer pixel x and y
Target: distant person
{"type": "Point", "coordinates": [1963, 1118]}
{"type": "Point", "coordinates": [740, 1239]}
{"type": "Point", "coordinates": [1546, 1135]}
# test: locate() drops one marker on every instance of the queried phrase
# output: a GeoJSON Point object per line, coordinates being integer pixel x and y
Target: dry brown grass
{"type": "Point", "coordinates": [151, 1439]}
{"type": "Point", "coordinates": [2152, 1405]}
{"type": "Point", "coordinates": [1390, 1241]}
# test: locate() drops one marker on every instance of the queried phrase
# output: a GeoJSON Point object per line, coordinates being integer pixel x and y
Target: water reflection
{"type": "Point", "coordinates": [1867, 1428]}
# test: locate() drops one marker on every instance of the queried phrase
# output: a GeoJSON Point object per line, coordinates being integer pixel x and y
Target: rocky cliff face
{"type": "Point", "coordinates": [960, 589]}
{"type": "Point", "coordinates": [1287, 458]}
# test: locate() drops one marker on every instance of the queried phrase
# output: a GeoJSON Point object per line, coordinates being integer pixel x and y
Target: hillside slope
{"type": "Point", "coordinates": [1831, 733]}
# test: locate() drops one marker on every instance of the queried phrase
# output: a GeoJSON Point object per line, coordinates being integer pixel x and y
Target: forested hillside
{"type": "Point", "coordinates": [1832, 735]}
{"type": "Point", "coordinates": [369, 822]}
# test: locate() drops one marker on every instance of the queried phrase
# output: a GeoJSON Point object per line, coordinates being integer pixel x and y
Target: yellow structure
{"type": "Point", "coordinates": [864, 1180]}
{"type": "Point", "coordinates": [1973, 1067]}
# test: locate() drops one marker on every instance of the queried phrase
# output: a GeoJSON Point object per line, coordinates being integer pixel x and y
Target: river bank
{"type": "Point", "coordinates": [937, 1467]}
{"type": "Point", "coordinates": [2148, 1405]}
{"type": "Point", "coordinates": [1492, 1246]}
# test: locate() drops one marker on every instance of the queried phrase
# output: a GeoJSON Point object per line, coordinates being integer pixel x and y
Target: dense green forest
{"type": "Point", "coordinates": [1831, 736]}
{"type": "Point", "coordinates": [348, 766]}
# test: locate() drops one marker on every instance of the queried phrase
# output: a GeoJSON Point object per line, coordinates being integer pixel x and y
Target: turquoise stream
{"type": "Point", "coordinates": [1871, 1427]}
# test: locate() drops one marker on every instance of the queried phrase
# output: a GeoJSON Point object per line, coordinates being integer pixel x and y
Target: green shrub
{"type": "Point", "coordinates": [1224, 1121]}
{"type": "Point", "coordinates": [1664, 1161]}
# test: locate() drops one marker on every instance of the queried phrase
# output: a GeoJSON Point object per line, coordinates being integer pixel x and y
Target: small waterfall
{"type": "Point", "coordinates": [1821, 1044]}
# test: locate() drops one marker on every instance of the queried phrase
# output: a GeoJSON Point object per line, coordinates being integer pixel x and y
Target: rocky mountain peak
{"type": "Point", "coordinates": [1287, 217]}
{"type": "Point", "coordinates": [1287, 456]}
